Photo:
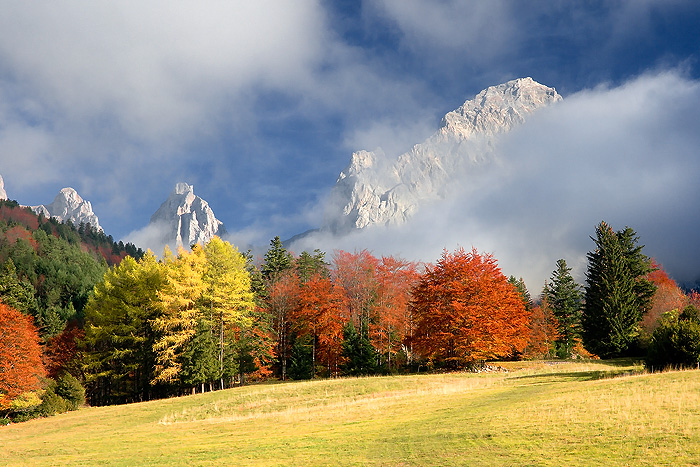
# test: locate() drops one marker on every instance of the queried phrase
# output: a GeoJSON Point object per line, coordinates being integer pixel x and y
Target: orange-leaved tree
{"type": "Point", "coordinates": [395, 279]}
{"type": "Point", "coordinates": [320, 313]}
{"type": "Point", "coordinates": [668, 297]}
{"type": "Point", "coordinates": [543, 331]}
{"type": "Point", "coordinates": [466, 311]}
{"type": "Point", "coordinates": [20, 355]}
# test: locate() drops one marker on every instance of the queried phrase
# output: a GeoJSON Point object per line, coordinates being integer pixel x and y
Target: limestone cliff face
{"type": "Point", "coordinates": [3, 195]}
{"type": "Point", "coordinates": [69, 206]}
{"type": "Point", "coordinates": [376, 190]}
{"type": "Point", "coordinates": [186, 219]}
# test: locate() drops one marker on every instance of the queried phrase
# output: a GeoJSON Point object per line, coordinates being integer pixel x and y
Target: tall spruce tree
{"type": "Point", "coordinates": [617, 292]}
{"type": "Point", "coordinates": [277, 260]}
{"type": "Point", "coordinates": [522, 289]}
{"type": "Point", "coordinates": [564, 298]}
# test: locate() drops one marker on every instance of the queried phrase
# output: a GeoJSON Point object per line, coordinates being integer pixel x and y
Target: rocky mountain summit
{"type": "Point", "coordinates": [377, 189]}
{"type": "Point", "coordinates": [3, 194]}
{"type": "Point", "coordinates": [69, 206]}
{"type": "Point", "coordinates": [185, 219]}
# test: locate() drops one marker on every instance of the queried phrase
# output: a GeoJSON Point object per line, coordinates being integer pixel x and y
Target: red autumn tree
{"type": "Point", "coordinates": [668, 296]}
{"type": "Point", "coordinates": [320, 314]}
{"type": "Point", "coordinates": [395, 278]}
{"type": "Point", "coordinates": [20, 355]}
{"type": "Point", "coordinates": [466, 311]}
{"type": "Point", "coordinates": [355, 273]}
{"type": "Point", "coordinates": [61, 351]}
{"type": "Point", "coordinates": [282, 300]}
{"type": "Point", "coordinates": [543, 331]}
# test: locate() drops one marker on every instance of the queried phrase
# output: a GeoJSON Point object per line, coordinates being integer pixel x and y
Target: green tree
{"type": "Point", "coordinates": [564, 299]}
{"type": "Point", "coordinates": [199, 360]}
{"type": "Point", "coordinates": [16, 293]}
{"type": "Point", "coordinates": [119, 334]}
{"type": "Point", "coordinates": [277, 260]}
{"type": "Point", "coordinates": [676, 341]}
{"type": "Point", "coordinates": [615, 296]}
{"type": "Point", "coordinates": [522, 289]}
{"type": "Point", "coordinates": [360, 355]}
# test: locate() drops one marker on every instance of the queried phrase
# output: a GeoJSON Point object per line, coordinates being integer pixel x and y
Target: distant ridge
{"type": "Point", "coordinates": [378, 189]}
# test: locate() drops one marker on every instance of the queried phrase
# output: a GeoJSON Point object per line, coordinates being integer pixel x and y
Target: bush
{"type": "Point", "coordinates": [69, 388]}
{"type": "Point", "coordinates": [676, 342]}
{"type": "Point", "coordinates": [51, 403]}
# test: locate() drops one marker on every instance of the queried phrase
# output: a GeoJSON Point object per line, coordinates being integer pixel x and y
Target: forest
{"type": "Point", "coordinates": [86, 320]}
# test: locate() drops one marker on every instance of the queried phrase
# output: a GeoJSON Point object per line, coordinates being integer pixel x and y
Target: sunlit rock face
{"type": "Point", "coordinates": [3, 195]}
{"type": "Point", "coordinates": [186, 219]}
{"type": "Point", "coordinates": [376, 189]}
{"type": "Point", "coordinates": [69, 206]}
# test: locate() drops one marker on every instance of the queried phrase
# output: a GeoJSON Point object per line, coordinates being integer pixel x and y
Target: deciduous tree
{"type": "Point", "coordinates": [20, 355]}
{"type": "Point", "coordinates": [467, 311]}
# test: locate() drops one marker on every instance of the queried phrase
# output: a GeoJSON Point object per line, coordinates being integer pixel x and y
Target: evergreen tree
{"type": "Point", "coordinates": [199, 360]}
{"type": "Point", "coordinates": [277, 260]}
{"type": "Point", "coordinates": [616, 292]}
{"type": "Point", "coordinates": [563, 296]}
{"type": "Point", "coordinates": [359, 352]}
{"type": "Point", "coordinates": [522, 289]}
{"type": "Point", "coordinates": [308, 265]}
{"type": "Point", "coordinates": [16, 293]}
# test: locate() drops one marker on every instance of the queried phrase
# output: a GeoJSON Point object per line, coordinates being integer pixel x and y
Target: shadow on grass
{"type": "Point", "coordinates": [590, 375]}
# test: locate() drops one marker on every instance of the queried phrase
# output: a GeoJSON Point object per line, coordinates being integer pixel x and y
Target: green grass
{"type": "Point", "coordinates": [572, 414]}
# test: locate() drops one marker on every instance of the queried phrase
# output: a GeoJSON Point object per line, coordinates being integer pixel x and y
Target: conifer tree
{"type": "Point", "coordinates": [227, 294]}
{"type": "Point", "coordinates": [277, 260]}
{"type": "Point", "coordinates": [119, 334]}
{"type": "Point", "coordinates": [564, 298]}
{"type": "Point", "coordinates": [180, 298]}
{"type": "Point", "coordinates": [616, 293]}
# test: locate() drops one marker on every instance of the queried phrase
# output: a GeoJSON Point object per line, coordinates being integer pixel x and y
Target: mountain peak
{"type": "Point", "coordinates": [68, 205]}
{"type": "Point", "coordinates": [186, 219]}
{"type": "Point", "coordinates": [373, 189]}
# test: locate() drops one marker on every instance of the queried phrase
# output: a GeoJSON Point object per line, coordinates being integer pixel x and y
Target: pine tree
{"type": "Point", "coordinates": [563, 296]}
{"type": "Point", "coordinates": [616, 295]}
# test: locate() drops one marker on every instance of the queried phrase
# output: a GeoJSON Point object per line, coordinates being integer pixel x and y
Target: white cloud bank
{"type": "Point", "coordinates": [628, 155]}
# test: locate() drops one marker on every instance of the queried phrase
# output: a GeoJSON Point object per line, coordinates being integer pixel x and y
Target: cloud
{"type": "Point", "coordinates": [626, 155]}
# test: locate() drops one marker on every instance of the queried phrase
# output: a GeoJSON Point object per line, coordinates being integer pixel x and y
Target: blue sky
{"type": "Point", "coordinates": [260, 106]}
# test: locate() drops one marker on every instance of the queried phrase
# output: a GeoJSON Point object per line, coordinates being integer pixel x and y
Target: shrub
{"type": "Point", "coordinates": [51, 403]}
{"type": "Point", "coordinates": [676, 342]}
{"type": "Point", "coordinates": [69, 388]}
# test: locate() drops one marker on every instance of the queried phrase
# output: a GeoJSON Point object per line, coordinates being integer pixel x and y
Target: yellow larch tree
{"type": "Point", "coordinates": [180, 299]}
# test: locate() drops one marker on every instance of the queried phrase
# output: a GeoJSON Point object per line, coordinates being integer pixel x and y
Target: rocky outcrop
{"type": "Point", "coordinates": [185, 219]}
{"type": "Point", "coordinates": [69, 206]}
{"type": "Point", "coordinates": [374, 189]}
{"type": "Point", "coordinates": [3, 195]}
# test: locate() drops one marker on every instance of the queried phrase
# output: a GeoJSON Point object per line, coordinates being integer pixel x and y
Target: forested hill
{"type": "Point", "coordinates": [49, 268]}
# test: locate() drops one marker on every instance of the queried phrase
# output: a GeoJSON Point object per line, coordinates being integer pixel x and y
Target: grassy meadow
{"type": "Point", "coordinates": [537, 413]}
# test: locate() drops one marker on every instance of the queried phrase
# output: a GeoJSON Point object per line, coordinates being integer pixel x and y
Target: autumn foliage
{"type": "Point", "coordinates": [20, 355]}
{"type": "Point", "coordinates": [466, 311]}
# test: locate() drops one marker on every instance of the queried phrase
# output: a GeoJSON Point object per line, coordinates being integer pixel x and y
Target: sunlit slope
{"type": "Point", "coordinates": [540, 414]}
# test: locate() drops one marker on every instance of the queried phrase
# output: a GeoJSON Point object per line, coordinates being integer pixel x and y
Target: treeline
{"type": "Point", "coordinates": [213, 317]}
